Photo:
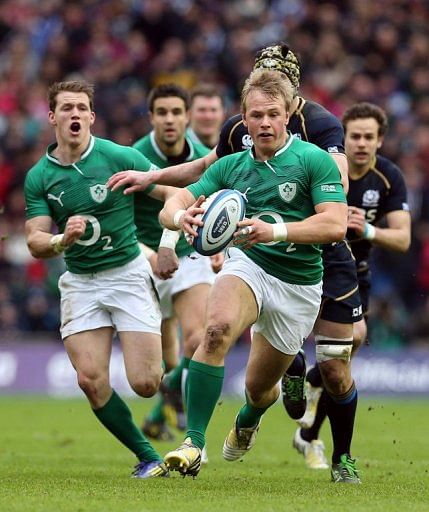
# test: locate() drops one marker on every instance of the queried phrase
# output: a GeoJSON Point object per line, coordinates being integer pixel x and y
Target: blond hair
{"type": "Point", "coordinates": [271, 83]}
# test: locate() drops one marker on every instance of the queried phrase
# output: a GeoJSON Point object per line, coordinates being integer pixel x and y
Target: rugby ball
{"type": "Point", "coordinates": [222, 211]}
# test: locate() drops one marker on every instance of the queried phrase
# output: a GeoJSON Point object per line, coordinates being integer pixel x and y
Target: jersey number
{"type": "Point", "coordinates": [96, 232]}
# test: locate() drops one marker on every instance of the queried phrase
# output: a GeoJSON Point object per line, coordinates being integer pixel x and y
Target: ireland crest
{"type": "Point", "coordinates": [98, 193]}
{"type": "Point", "coordinates": [287, 191]}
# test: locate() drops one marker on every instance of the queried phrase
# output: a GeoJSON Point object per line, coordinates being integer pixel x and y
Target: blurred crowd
{"type": "Point", "coordinates": [373, 50]}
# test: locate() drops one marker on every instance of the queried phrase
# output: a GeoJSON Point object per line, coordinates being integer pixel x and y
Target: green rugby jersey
{"type": "Point", "coordinates": [146, 209]}
{"type": "Point", "coordinates": [283, 189]}
{"type": "Point", "coordinates": [61, 191]}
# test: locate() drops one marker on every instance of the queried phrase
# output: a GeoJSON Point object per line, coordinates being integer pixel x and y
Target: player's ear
{"type": "Point", "coordinates": [92, 121]}
{"type": "Point", "coordinates": [51, 117]}
{"type": "Point", "coordinates": [380, 142]}
{"type": "Point", "coordinates": [243, 117]}
{"type": "Point", "coordinates": [287, 118]}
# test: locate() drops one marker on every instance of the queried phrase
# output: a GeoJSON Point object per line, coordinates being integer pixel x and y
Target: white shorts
{"type": "Point", "coordinates": [193, 269]}
{"type": "Point", "coordinates": [287, 312]}
{"type": "Point", "coordinates": [123, 297]}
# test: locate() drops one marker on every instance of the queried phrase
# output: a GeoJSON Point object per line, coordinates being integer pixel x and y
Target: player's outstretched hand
{"type": "Point", "coordinates": [252, 231]}
{"type": "Point", "coordinates": [356, 220]}
{"type": "Point", "coordinates": [75, 228]}
{"type": "Point", "coordinates": [133, 181]}
{"type": "Point", "coordinates": [168, 263]}
{"type": "Point", "coordinates": [190, 218]}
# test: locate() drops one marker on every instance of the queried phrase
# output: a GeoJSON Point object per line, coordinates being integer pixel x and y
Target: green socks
{"type": "Point", "coordinates": [156, 414]}
{"type": "Point", "coordinates": [249, 415]}
{"type": "Point", "coordinates": [116, 417]}
{"type": "Point", "coordinates": [174, 378]}
{"type": "Point", "coordinates": [204, 386]}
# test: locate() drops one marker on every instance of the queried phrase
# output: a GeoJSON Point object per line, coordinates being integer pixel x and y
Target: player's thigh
{"type": "Point", "coordinates": [142, 355]}
{"type": "Point", "coordinates": [170, 343]}
{"type": "Point", "coordinates": [232, 306]}
{"type": "Point", "coordinates": [80, 308]}
{"type": "Point", "coordinates": [266, 364]}
{"type": "Point", "coordinates": [90, 351]}
{"type": "Point", "coordinates": [332, 330]}
{"type": "Point", "coordinates": [190, 307]}
{"type": "Point", "coordinates": [359, 334]}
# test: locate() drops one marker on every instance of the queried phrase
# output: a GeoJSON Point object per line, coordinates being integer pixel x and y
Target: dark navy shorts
{"type": "Point", "coordinates": [364, 279]}
{"type": "Point", "coordinates": [341, 302]}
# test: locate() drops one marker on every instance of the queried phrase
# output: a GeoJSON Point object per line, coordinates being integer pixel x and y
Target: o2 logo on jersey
{"type": "Point", "coordinates": [371, 198]}
{"type": "Point", "coordinates": [98, 193]}
{"type": "Point", "coordinates": [247, 141]}
{"type": "Point", "coordinates": [96, 232]}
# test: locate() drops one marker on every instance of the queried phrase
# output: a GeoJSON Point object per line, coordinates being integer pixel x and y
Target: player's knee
{"type": "Point", "coordinates": [254, 392]}
{"type": "Point", "coordinates": [333, 356]}
{"type": "Point", "coordinates": [145, 386]}
{"type": "Point", "coordinates": [335, 376]}
{"type": "Point", "coordinates": [92, 384]}
{"type": "Point", "coordinates": [192, 341]}
{"type": "Point", "coordinates": [216, 337]}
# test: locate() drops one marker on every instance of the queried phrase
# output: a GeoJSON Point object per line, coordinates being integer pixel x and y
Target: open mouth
{"type": "Point", "coordinates": [75, 128]}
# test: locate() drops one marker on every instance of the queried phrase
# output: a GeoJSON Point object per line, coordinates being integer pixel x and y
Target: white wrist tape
{"type": "Point", "coordinates": [279, 232]}
{"type": "Point", "coordinates": [369, 233]}
{"type": "Point", "coordinates": [147, 251]}
{"type": "Point", "coordinates": [169, 239]}
{"type": "Point", "coordinates": [177, 216]}
{"type": "Point", "coordinates": [56, 242]}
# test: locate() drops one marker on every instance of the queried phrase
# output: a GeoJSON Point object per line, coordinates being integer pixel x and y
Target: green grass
{"type": "Point", "coordinates": [54, 456]}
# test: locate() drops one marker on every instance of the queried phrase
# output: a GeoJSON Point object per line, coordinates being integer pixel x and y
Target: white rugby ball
{"type": "Point", "coordinates": [222, 211]}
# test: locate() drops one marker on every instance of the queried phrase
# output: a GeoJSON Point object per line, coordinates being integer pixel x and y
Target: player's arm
{"type": "Point", "coordinates": [43, 244]}
{"type": "Point", "coordinates": [395, 237]}
{"type": "Point", "coordinates": [179, 212]}
{"type": "Point", "coordinates": [177, 175]}
{"type": "Point", "coordinates": [343, 166]}
{"type": "Point", "coordinates": [328, 224]}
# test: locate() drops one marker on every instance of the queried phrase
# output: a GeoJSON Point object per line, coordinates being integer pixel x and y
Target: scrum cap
{"type": "Point", "coordinates": [280, 58]}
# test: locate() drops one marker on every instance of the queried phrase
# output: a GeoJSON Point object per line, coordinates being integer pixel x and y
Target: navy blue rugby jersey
{"type": "Point", "coordinates": [379, 191]}
{"type": "Point", "coordinates": [310, 122]}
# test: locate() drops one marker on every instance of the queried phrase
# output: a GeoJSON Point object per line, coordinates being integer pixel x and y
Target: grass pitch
{"type": "Point", "coordinates": [54, 456]}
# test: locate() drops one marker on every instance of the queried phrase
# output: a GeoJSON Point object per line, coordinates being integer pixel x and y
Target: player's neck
{"type": "Point", "coordinates": [175, 149]}
{"type": "Point", "coordinates": [209, 141]}
{"type": "Point", "coordinates": [69, 153]}
{"type": "Point", "coordinates": [357, 171]}
{"type": "Point", "coordinates": [268, 154]}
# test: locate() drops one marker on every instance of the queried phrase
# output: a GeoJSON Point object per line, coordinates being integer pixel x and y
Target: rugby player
{"type": "Point", "coordinates": [276, 287]}
{"type": "Point", "coordinates": [107, 286]}
{"type": "Point", "coordinates": [376, 191]}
